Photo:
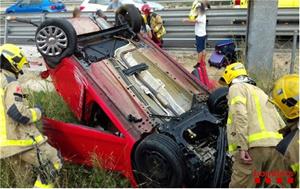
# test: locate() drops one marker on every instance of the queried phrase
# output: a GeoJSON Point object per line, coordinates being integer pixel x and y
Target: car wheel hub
{"type": "Point", "coordinates": [51, 41]}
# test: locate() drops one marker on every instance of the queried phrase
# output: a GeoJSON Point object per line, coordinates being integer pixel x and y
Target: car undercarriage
{"type": "Point", "coordinates": [171, 126]}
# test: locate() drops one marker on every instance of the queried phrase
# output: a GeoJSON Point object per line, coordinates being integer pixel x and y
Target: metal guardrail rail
{"type": "Point", "coordinates": [221, 25]}
{"type": "Point", "coordinates": [78, 2]}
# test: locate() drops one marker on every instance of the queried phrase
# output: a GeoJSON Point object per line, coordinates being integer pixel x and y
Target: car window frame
{"type": "Point", "coordinates": [38, 3]}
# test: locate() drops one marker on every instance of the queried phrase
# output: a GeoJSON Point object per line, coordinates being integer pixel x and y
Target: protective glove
{"type": "Point", "coordinates": [38, 106]}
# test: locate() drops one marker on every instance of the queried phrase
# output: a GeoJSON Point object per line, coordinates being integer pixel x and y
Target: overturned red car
{"type": "Point", "coordinates": [141, 113]}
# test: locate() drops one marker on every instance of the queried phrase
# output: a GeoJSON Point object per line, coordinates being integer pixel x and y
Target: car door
{"type": "Point", "coordinates": [83, 144]}
{"type": "Point", "coordinates": [22, 6]}
{"type": "Point", "coordinates": [94, 5]}
{"type": "Point", "coordinates": [36, 5]}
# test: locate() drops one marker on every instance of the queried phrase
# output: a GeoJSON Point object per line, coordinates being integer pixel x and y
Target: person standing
{"type": "Point", "coordinates": [285, 96]}
{"type": "Point", "coordinates": [21, 143]}
{"type": "Point", "coordinates": [252, 129]}
{"type": "Point", "coordinates": [114, 5]}
{"type": "Point", "coordinates": [155, 22]}
{"type": "Point", "coordinates": [200, 35]}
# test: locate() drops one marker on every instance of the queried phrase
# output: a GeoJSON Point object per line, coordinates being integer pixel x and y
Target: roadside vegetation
{"type": "Point", "coordinates": [71, 176]}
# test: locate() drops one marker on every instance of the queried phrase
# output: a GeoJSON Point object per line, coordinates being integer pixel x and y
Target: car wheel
{"type": "Point", "coordinates": [158, 162]}
{"type": "Point", "coordinates": [55, 39]}
{"type": "Point", "coordinates": [217, 101]}
{"type": "Point", "coordinates": [131, 15]}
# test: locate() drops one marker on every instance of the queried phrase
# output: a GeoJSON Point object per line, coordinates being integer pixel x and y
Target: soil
{"type": "Point", "coordinates": [187, 59]}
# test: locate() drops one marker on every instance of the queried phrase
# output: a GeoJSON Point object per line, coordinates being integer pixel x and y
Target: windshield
{"type": "Point", "coordinates": [100, 2]}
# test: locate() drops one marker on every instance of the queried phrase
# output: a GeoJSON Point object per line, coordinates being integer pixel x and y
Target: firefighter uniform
{"type": "Point", "coordinates": [253, 125]}
{"type": "Point", "coordinates": [285, 96]}
{"type": "Point", "coordinates": [156, 24]}
{"type": "Point", "coordinates": [19, 137]}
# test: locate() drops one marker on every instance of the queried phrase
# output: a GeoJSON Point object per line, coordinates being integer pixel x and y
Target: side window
{"type": "Point", "coordinates": [35, 1]}
{"type": "Point", "coordinates": [100, 2]}
{"type": "Point", "coordinates": [100, 121]}
{"type": "Point", "coordinates": [25, 2]}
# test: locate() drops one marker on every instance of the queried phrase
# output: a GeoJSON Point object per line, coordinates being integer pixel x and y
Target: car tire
{"type": "Point", "coordinates": [130, 14]}
{"type": "Point", "coordinates": [217, 101]}
{"type": "Point", "coordinates": [162, 151]}
{"type": "Point", "coordinates": [63, 44]}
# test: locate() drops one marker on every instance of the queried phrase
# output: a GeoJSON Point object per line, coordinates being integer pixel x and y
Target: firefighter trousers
{"type": "Point", "coordinates": [22, 163]}
{"type": "Point", "coordinates": [267, 170]}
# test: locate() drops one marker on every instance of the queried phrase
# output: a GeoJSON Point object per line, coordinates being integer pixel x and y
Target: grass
{"type": "Point", "coordinates": [71, 176]}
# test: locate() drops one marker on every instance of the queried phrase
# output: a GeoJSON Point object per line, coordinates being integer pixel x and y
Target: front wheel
{"type": "Point", "coordinates": [158, 162]}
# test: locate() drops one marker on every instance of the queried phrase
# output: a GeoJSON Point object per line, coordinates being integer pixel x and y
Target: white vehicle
{"type": "Point", "coordinates": [94, 5]}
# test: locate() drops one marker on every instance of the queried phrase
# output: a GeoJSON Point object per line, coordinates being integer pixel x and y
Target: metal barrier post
{"type": "Point", "coordinates": [292, 66]}
{"type": "Point", "coordinates": [5, 30]}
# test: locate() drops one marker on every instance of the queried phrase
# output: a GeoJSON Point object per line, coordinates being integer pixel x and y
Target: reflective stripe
{"type": "Point", "coordinates": [264, 135]}
{"type": "Point", "coordinates": [229, 120]}
{"type": "Point", "coordinates": [258, 111]}
{"type": "Point", "coordinates": [39, 184]}
{"type": "Point", "coordinates": [33, 115]}
{"type": "Point", "coordinates": [27, 142]}
{"type": "Point", "coordinates": [232, 147]}
{"type": "Point", "coordinates": [2, 117]}
{"type": "Point", "coordinates": [295, 167]}
{"type": "Point", "coordinates": [237, 99]}
{"type": "Point", "coordinates": [57, 165]}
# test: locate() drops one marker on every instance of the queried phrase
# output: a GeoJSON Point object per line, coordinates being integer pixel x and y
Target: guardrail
{"type": "Point", "coordinates": [78, 2]}
{"type": "Point", "coordinates": [221, 24]}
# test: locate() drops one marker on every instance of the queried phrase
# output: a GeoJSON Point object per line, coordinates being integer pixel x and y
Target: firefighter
{"type": "Point", "coordinates": [21, 144]}
{"type": "Point", "coordinates": [285, 96]}
{"type": "Point", "coordinates": [156, 24]}
{"type": "Point", "coordinates": [253, 122]}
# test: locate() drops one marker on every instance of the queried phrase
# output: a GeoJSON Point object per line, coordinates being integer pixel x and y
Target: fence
{"type": "Point", "coordinates": [222, 23]}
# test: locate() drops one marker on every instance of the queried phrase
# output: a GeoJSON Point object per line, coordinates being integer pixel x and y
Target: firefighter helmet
{"type": "Point", "coordinates": [285, 95]}
{"type": "Point", "coordinates": [14, 56]}
{"type": "Point", "coordinates": [233, 71]}
{"type": "Point", "coordinates": [146, 9]}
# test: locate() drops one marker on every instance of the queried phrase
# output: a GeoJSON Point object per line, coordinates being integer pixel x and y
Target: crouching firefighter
{"type": "Point", "coordinates": [156, 24]}
{"type": "Point", "coordinates": [21, 144]}
{"type": "Point", "coordinates": [286, 97]}
{"type": "Point", "coordinates": [252, 129]}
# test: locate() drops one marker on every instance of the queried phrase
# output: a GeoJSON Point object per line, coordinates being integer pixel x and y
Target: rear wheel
{"type": "Point", "coordinates": [55, 39]}
{"type": "Point", "coordinates": [131, 15]}
{"type": "Point", "coordinates": [158, 162]}
{"type": "Point", "coordinates": [217, 101]}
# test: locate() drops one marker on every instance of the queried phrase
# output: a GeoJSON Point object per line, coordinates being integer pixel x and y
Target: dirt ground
{"type": "Point", "coordinates": [187, 58]}
{"type": "Point", "coordinates": [281, 63]}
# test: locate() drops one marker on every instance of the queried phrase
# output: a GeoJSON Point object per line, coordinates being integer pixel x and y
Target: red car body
{"type": "Point", "coordinates": [79, 88]}
{"type": "Point", "coordinates": [95, 88]}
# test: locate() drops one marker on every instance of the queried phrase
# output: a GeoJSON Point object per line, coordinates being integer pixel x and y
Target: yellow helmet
{"type": "Point", "coordinates": [233, 71]}
{"type": "Point", "coordinates": [286, 95]}
{"type": "Point", "coordinates": [14, 55]}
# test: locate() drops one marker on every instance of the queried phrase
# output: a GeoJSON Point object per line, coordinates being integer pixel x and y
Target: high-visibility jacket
{"type": "Point", "coordinates": [156, 24]}
{"type": "Point", "coordinates": [253, 120]}
{"type": "Point", "coordinates": [16, 118]}
{"type": "Point", "coordinates": [289, 147]}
